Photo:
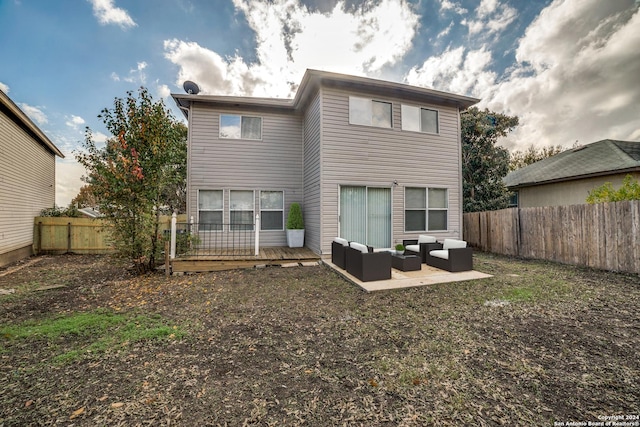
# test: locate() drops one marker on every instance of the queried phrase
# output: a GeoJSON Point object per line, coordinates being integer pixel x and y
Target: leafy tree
{"type": "Point", "coordinates": [484, 163]}
{"type": "Point", "coordinates": [630, 190]}
{"type": "Point", "coordinates": [520, 159]}
{"type": "Point", "coordinates": [85, 198]}
{"type": "Point", "coordinates": [132, 175]}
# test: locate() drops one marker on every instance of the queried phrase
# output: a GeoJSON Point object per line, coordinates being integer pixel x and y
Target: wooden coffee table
{"type": "Point", "coordinates": [405, 262]}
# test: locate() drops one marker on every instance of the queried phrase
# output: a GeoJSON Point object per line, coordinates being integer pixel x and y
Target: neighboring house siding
{"type": "Point", "coordinates": [573, 192]}
{"type": "Point", "coordinates": [273, 163]}
{"type": "Point", "coordinates": [312, 173]}
{"type": "Point", "coordinates": [373, 156]}
{"type": "Point", "coordinates": [27, 177]}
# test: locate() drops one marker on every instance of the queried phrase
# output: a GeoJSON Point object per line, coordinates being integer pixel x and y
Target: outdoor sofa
{"type": "Point", "coordinates": [366, 265]}
{"type": "Point", "coordinates": [454, 256]}
{"type": "Point", "coordinates": [338, 251]}
{"type": "Point", "coordinates": [421, 246]}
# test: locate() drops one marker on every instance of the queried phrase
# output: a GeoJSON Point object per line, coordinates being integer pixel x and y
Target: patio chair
{"type": "Point", "coordinates": [366, 265]}
{"type": "Point", "coordinates": [338, 247]}
{"type": "Point", "coordinates": [421, 246]}
{"type": "Point", "coordinates": [454, 256]}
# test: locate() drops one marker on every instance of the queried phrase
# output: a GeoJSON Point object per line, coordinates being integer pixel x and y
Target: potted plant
{"type": "Point", "coordinates": [295, 227]}
{"type": "Point", "coordinates": [400, 249]}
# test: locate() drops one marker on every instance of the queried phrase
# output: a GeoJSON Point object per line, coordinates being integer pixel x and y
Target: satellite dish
{"type": "Point", "coordinates": [190, 87]}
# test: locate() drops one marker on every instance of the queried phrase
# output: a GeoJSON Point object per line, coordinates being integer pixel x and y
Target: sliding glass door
{"type": "Point", "coordinates": [365, 215]}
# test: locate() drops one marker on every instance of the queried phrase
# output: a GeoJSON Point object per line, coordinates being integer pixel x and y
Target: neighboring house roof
{"type": "Point", "coordinates": [8, 107]}
{"type": "Point", "coordinates": [600, 158]}
{"type": "Point", "coordinates": [91, 212]}
{"type": "Point", "coordinates": [314, 78]}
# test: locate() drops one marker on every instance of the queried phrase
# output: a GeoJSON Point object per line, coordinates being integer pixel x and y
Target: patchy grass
{"type": "Point", "coordinates": [301, 346]}
{"type": "Point", "coordinates": [78, 334]}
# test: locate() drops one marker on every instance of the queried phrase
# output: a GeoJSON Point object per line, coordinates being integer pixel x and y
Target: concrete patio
{"type": "Point", "coordinates": [409, 279]}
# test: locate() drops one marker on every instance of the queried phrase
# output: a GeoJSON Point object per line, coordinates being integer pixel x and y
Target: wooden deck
{"type": "Point", "coordinates": [268, 256]}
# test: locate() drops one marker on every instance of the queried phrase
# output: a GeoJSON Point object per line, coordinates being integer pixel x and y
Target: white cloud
{"type": "Point", "coordinates": [290, 38]}
{"type": "Point", "coordinates": [136, 75]}
{"type": "Point", "coordinates": [99, 137]}
{"type": "Point", "coordinates": [163, 90]}
{"type": "Point", "coordinates": [493, 17]}
{"type": "Point", "coordinates": [4, 87]}
{"type": "Point", "coordinates": [449, 5]}
{"type": "Point", "coordinates": [487, 7]}
{"type": "Point", "coordinates": [446, 31]}
{"type": "Point", "coordinates": [68, 180]}
{"type": "Point", "coordinates": [75, 121]}
{"type": "Point", "coordinates": [577, 76]}
{"type": "Point", "coordinates": [35, 114]}
{"type": "Point", "coordinates": [107, 13]}
{"type": "Point", "coordinates": [456, 70]}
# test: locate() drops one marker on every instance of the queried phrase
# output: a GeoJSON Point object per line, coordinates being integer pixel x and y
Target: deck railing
{"type": "Point", "coordinates": [192, 239]}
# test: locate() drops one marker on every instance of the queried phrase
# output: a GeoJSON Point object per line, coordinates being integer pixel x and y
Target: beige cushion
{"type": "Point", "coordinates": [340, 240]}
{"type": "Point", "coordinates": [413, 248]}
{"type": "Point", "coordinates": [423, 238]}
{"type": "Point", "coordinates": [359, 246]}
{"type": "Point", "coordinates": [453, 244]}
{"type": "Point", "coordinates": [440, 253]}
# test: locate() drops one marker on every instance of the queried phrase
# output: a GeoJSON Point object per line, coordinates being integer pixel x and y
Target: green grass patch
{"type": "Point", "coordinates": [520, 294]}
{"type": "Point", "coordinates": [91, 332]}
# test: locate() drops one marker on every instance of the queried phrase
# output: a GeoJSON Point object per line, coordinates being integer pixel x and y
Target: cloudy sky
{"type": "Point", "coordinates": [570, 69]}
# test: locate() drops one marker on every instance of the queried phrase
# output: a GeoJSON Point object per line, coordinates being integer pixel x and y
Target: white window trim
{"type": "Point", "coordinates": [420, 118]}
{"type": "Point", "coordinates": [241, 116]}
{"type": "Point", "coordinates": [271, 210]}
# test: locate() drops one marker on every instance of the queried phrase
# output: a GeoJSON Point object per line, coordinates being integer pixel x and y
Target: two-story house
{"type": "Point", "coordinates": [369, 160]}
{"type": "Point", "coordinates": [27, 179]}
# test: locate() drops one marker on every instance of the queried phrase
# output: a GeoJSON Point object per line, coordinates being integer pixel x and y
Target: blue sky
{"type": "Point", "coordinates": [570, 69]}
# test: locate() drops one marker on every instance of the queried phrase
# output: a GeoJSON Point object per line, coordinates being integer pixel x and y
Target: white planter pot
{"type": "Point", "coordinates": [295, 238]}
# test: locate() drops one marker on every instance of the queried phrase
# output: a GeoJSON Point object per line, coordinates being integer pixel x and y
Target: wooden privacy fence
{"type": "Point", "coordinates": [604, 236]}
{"type": "Point", "coordinates": [55, 235]}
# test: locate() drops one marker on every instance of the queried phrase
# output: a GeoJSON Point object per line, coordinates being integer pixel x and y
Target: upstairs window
{"type": "Point", "coordinates": [240, 127]}
{"type": "Point", "coordinates": [364, 111]}
{"type": "Point", "coordinates": [418, 119]}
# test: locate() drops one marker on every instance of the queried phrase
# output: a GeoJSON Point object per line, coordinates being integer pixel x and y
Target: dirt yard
{"type": "Point", "coordinates": [84, 343]}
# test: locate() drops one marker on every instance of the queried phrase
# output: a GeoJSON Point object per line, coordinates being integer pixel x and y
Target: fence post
{"type": "Point", "coordinates": [69, 237]}
{"type": "Point", "coordinates": [39, 246]}
{"type": "Point", "coordinates": [257, 239]}
{"type": "Point", "coordinates": [167, 263]}
{"type": "Point", "coordinates": [174, 220]}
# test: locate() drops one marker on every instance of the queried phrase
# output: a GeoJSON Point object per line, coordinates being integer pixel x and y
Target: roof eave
{"type": "Point", "coordinates": [574, 178]}
{"type": "Point", "coordinates": [314, 78]}
{"type": "Point", "coordinates": [184, 101]}
{"type": "Point", "coordinates": [18, 114]}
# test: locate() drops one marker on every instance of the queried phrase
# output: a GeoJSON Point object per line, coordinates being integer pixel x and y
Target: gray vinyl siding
{"type": "Point", "coordinates": [27, 184]}
{"type": "Point", "coordinates": [372, 156]}
{"type": "Point", "coordinates": [273, 163]}
{"type": "Point", "coordinates": [312, 172]}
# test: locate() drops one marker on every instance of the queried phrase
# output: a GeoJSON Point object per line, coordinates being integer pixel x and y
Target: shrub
{"type": "Point", "coordinates": [57, 211]}
{"type": "Point", "coordinates": [630, 190]}
{"type": "Point", "coordinates": [295, 220]}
